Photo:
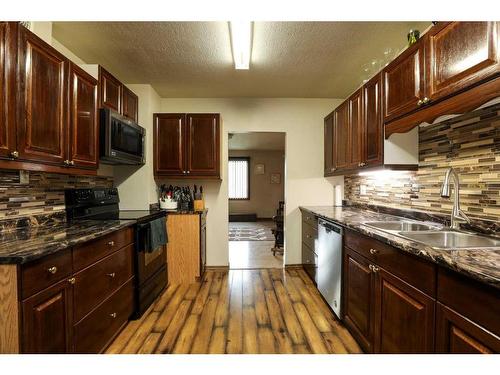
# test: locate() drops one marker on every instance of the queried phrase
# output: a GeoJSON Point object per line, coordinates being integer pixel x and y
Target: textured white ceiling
{"type": "Point", "coordinates": [193, 59]}
{"type": "Point", "coordinates": [263, 141]}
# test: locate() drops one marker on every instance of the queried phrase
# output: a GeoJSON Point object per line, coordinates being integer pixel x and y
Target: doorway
{"type": "Point", "coordinates": [256, 185]}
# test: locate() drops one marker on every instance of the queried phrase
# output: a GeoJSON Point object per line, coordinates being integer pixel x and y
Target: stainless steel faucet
{"type": "Point", "coordinates": [457, 215]}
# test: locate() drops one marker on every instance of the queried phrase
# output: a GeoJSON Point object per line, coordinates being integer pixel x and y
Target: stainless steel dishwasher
{"type": "Point", "coordinates": [330, 264]}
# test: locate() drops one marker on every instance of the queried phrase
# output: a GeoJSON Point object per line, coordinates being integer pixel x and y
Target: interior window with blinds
{"type": "Point", "coordinates": [238, 175]}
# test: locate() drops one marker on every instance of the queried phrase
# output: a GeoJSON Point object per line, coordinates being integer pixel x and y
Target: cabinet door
{"type": "Point", "coordinates": [203, 144]}
{"type": "Point", "coordinates": [110, 91]}
{"type": "Point", "coordinates": [47, 320]}
{"type": "Point", "coordinates": [460, 54]}
{"type": "Point", "coordinates": [341, 137]}
{"type": "Point", "coordinates": [168, 141]}
{"type": "Point", "coordinates": [457, 334]}
{"type": "Point", "coordinates": [130, 104]}
{"type": "Point", "coordinates": [83, 142]}
{"type": "Point", "coordinates": [42, 109]}
{"type": "Point", "coordinates": [403, 81]}
{"type": "Point", "coordinates": [359, 297]}
{"type": "Point", "coordinates": [7, 93]}
{"type": "Point", "coordinates": [404, 317]}
{"type": "Point", "coordinates": [328, 145]}
{"type": "Point", "coordinates": [373, 148]}
{"type": "Point", "coordinates": [356, 131]}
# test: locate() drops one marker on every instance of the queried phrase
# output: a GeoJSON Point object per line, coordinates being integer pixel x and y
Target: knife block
{"type": "Point", "coordinates": [199, 204]}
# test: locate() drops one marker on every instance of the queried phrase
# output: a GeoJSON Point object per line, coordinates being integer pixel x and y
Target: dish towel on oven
{"type": "Point", "coordinates": [157, 235]}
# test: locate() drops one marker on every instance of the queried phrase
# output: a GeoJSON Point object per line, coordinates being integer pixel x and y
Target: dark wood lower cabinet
{"type": "Point", "coordinates": [94, 333]}
{"type": "Point", "coordinates": [310, 262]}
{"type": "Point", "coordinates": [359, 288]}
{"type": "Point", "coordinates": [404, 316]}
{"type": "Point", "coordinates": [459, 335]}
{"type": "Point", "coordinates": [47, 320]}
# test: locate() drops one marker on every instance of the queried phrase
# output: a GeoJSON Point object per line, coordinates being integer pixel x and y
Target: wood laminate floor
{"type": "Point", "coordinates": [238, 311]}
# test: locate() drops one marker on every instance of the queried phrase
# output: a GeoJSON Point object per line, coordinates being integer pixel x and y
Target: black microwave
{"type": "Point", "coordinates": [122, 141]}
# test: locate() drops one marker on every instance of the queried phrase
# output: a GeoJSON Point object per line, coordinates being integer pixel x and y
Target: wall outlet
{"type": "Point", "coordinates": [24, 177]}
{"type": "Point", "coordinates": [362, 189]}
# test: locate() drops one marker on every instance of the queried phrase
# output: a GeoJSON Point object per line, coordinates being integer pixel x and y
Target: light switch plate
{"type": "Point", "coordinates": [24, 177]}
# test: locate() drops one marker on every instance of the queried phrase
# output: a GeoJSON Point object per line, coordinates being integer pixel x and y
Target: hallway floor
{"type": "Point", "coordinates": [238, 311]}
{"type": "Point", "coordinates": [253, 254]}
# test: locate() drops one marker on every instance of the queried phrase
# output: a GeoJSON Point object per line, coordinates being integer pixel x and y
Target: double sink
{"type": "Point", "coordinates": [435, 235]}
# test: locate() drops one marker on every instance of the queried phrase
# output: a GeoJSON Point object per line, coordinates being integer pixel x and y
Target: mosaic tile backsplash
{"type": "Point", "coordinates": [469, 143]}
{"type": "Point", "coordinates": [44, 194]}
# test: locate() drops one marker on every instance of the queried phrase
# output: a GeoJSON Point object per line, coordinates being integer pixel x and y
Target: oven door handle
{"type": "Point", "coordinates": [140, 239]}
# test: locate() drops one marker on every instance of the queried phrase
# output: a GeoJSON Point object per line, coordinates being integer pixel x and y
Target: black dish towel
{"type": "Point", "coordinates": [157, 235]}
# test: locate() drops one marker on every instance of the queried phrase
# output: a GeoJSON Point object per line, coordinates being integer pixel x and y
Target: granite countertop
{"type": "Point", "coordinates": [482, 265]}
{"type": "Point", "coordinates": [26, 244]}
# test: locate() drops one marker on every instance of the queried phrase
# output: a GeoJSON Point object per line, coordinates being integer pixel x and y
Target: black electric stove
{"type": "Point", "coordinates": [151, 274]}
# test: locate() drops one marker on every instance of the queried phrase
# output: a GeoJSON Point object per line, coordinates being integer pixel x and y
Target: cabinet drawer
{"type": "Point", "coordinates": [96, 331]}
{"type": "Point", "coordinates": [44, 272]}
{"type": "Point", "coordinates": [86, 254]}
{"type": "Point", "coordinates": [309, 236]}
{"type": "Point", "coordinates": [417, 272]}
{"type": "Point", "coordinates": [97, 282]}
{"type": "Point", "coordinates": [474, 300]}
{"type": "Point", "coordinates": [310, 219]}
{"type": "Point", "coordinates": [309, 262]}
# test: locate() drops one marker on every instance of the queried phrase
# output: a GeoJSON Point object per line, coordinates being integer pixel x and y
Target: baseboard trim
{"type": "Point", "coordinates": [293, 266]}
{"type": "Point", "coordinates": [216, 268]}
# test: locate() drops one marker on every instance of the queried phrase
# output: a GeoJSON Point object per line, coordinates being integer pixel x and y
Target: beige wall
{"type": "Point", "coordinates": [136, 185]}
{"type": "Point", "coordinates": [264, 196]}
{"type": "Point", "coordinates": [302, 121]}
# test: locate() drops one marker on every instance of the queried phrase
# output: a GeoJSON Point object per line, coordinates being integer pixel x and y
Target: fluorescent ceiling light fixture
{"type": "Point", "coordinates": [241, 42]}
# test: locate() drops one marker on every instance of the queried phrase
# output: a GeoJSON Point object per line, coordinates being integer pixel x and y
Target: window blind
{"type": "Point", "coordinates": [238, 178]}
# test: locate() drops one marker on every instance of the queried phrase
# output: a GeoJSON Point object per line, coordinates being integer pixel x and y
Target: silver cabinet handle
{"type": "Point", "coordinates": [373, 268]}
{"type": "Point", "coordinates": [113, 315]}
{"type": "Point", "coordinates": [14, 154]}
{"type": "Point", "coordinates": [373, 251]}
{"type": "Point", "coordinates": [111, 243]}
{"type": "Point", "coordinates": [112, 275]}
{"type": "Point", "coordinates": [52, 270]}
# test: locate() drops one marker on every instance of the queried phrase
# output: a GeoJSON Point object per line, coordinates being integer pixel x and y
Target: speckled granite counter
{"type": "Point", "coordinates": [482, 265]}
{"type": "Point", "coordinates": [26, 244]}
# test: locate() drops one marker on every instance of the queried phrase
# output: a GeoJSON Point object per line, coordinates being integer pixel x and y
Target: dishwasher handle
{"type": "Point", "coordinates": [330, 227]}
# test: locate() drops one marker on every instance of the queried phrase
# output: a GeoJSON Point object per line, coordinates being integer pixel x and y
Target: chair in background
{"type": "Point", "coordinates": [278, 231]}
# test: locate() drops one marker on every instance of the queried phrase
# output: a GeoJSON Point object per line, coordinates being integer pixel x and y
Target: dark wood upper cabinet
{"type": "Point", "coordinates": [328, 144]}
{"type": "Point", "coordinates": [169, 134]}
{"type": "Point", "coordinates": [42, 100]}
{"type": "Point", "coordinates": [359, 298]}
{"type": "Point", "coordinates": [83, 144]}
{"type": "Point", "coordinates": [341, 137]}
{"type": "Point", "coordinates": [130, 104]}
{"type": "Point", "coordinates": [404, 317]}
{"type": "Point", "coordinates": [7, 90]}
{"type": "Point", "coordinates": [460, 54]}
{"type": "Point", "coordinates": [47, 320]}
{"type": "Point", "coordinates": [356, 129]}
{"type": "Point", "coordinates": [373, 146]}
{"type": "Point", "coordinates": [404, 83]}
{"type": "Point", "coordinates": [187, 145]}
{"type": "Point", "coordinates": [203, 144]}
{"type": "Point", "coordinates": [110, 95]}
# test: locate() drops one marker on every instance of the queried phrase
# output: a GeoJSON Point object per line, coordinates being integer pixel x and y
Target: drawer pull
{"type": "Point", "coordinates": [113, 315]}
{"type": "Point", "coordinates": [72, 280]}
{"type": "Point", "coordinates": [373, 251]}
{"type": "Point", "coordinates": [373, 268]}
{"type": "Point", "coordinates": [112, 275]}
{"type": "Point", "coordinates": [111, 243]}
{"type": "Point", "coordinates": [52, 270]}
